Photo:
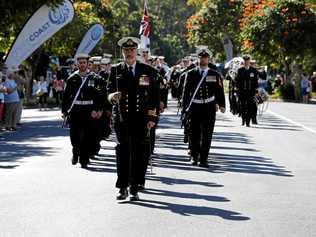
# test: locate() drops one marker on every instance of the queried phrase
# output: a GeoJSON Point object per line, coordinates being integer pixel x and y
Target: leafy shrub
{"type": "Point", "coordinates": [287, 91]}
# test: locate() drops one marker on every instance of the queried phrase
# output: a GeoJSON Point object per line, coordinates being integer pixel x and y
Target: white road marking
{"type": "Point", "coordinates": [292, 122]}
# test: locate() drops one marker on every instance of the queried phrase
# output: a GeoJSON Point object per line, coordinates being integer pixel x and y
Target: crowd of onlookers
{"type": "Point", "coordinates": [307, 85]}
{"type": "Point", "coordinates": [11, 99]}
{"type": "Point", "coordinates": [13, 94]}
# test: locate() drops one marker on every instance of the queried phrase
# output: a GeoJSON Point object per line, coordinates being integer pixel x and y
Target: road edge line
{"type": "Point", "coordinates": [292, 122]}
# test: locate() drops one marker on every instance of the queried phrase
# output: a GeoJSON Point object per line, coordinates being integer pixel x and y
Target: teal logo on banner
{"type": "Point", "coordinates": [60, 15]}
{"type": "Point", "coordinates": [96, 33]}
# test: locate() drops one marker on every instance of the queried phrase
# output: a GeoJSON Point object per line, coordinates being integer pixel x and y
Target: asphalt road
{"type": "Point", "coordinates": [262, 181]}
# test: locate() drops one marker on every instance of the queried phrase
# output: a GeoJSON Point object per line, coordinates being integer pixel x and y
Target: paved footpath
{"type": "Point", "coordinates": [262, 181]}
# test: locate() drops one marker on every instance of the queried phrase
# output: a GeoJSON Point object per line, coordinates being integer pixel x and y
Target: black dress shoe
{"type": "Point", "coordinates": [195, 163]}
{"type": "Point", "coordinates": [74, 159]}
{"type": "Point", "coordinates": [204, 165]}
{"type": "Point", "coordinates": [84, 165]}
{"type": "Point", "coordinates": [134, 197]}
{"type": "Point", "coordinates": [123, 194]}
{"type": "Point", "coordinates": [141, 187]}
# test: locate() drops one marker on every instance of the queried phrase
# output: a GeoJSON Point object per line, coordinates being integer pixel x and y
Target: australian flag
{"type": "Point", "coordinates": [144, 30]}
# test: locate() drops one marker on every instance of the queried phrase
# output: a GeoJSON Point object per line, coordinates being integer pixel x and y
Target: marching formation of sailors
{"type": "Point", "coordinates": [130, 96]}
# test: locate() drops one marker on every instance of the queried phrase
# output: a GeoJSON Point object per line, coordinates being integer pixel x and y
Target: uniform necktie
{"type": "Point", "coordinates": [130, 71]}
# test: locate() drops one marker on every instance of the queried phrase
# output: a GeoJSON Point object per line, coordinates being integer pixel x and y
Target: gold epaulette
{"type": "Point", "coordinates": [220, 82]}
{"type": "Point", "coordinates": [152, 112]}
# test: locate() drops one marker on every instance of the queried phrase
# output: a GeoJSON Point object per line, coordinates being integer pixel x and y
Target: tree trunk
{"type": "Point", "coordinates": [29, 84]}
{"type": "Point", "coordinates": [296, 79]}
{"type": "Point", "coordinates": [34, 60]}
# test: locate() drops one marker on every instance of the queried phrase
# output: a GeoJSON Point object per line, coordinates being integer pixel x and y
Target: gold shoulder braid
{"type": "Point", "coordinates": [152, 112]}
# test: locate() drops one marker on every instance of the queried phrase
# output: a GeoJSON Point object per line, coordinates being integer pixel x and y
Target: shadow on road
{"type": "Point", "coordinates": [189, 210]}
{"type": "Point", "coordinates": [176, 181]}
{"type": "Point", "coordinates": [247, 164]}
{"type": "Point", "coordinates": [169, 121]}
{"type": "Point", "coordinates": [174, 141]}
{"type": "Point", "coordinates": [222, 158]}
{"type": "Point", "coordinates": [230, 137]}
{"type": "Point", "coordinates": [167, 193]}
{"type": "Point", "coordinates": [15, 146]}
{"type": "Point", "coordinates": [177, 162]}
{"type": "Point", "coordinates": [270, 122]}
{"type": "Point", "coordinates": [103, 164]}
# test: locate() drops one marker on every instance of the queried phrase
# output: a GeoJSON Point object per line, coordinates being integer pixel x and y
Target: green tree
{"type": "Point", "coordinates": [167, 20]}
{"type": "Point", "coordinates": [212, 21]}
{"type": "Point", "coordinates": [119, 18]}
{"type": "Point", "coordinates": [169, 32]}
{"type": "Point", "coordinates": [283, 34]}
{"type": "Point", "coordinates": [66, 41]}
{"type": "Point", "coordinates": [13, 15]}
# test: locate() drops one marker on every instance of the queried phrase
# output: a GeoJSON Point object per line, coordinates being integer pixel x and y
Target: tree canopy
{"type": "Point", "coordinates": [13, 15]}
{"type": "Point", "coordinates": [119, 18]}
{"type": "Point", "coordinates": [276, 32]}
{"type": "Point", "coordinates": [280, 31]}
{"type": "Point", "coordinates": [213, 21]}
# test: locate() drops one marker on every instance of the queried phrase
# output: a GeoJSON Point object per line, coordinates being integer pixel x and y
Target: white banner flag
{"type": "Point", "coordinates": [144, 42]}
{"type": "Point", "coordinates": [91, 38]}
{"type": "Point", "coordinates": [41, 26]}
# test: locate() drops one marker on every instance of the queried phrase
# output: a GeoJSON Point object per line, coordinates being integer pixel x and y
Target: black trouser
{"type": "Point", "coordinates": [150, 142]}
{"type": "Point", "coordinates": [102, 131]}
{"type": "Point", "coordinates": [254, 112]}
{"type": "Point", "coordinates": [174, 92]}
{"type": "Point", "coordinates": [58, 97]}
{"type": "Point", "coordinates": [164, 96]}
{"type": "Point", "coordinates": [153, 136]}
{"type": "Point", "coordinates": [152, 139]}
{"type": "Point", "coordinates": [188, 135]}
{"type": "Point", "coordinates": [248, 107]}
{"type": "Point", "coordinates": [43, 99]}
{"type": "Point", "coordinates": [82, 134]}
{"type": "Point", "coordinates": [233, 102]}
{"type": "Point", "coordinates": [131, 153]}
{"type": "Point", "coordinates": [149, 145]}
{"type": "Point", "coordinates": [202, 126]}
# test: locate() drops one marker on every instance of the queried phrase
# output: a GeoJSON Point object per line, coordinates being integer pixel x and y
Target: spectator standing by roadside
{"type": "Point", "coordinates": [313, 81]}
{"type": "Point", "coordinates": [35, 88]}
{"type": "Point", "coordinates": [305, 88]}
{"type": "Point", "coordinates": [58, 88]}
{"type": "Point", "coordinates": [42, 93]}
{"type": "Point", "coordinates": [11, 102]}
{"type": "Point", "coordinates": [278, 81]}
{"type": "Point", "coordinates": [20, 80]}
{"type": "Point", "coordinates": [2, 91]}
